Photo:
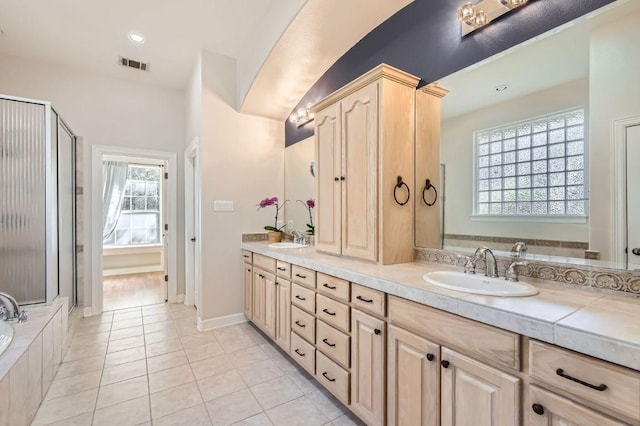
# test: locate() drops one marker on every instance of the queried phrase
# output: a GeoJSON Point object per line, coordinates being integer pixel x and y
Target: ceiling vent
{"type": "Point", "coordinates": [130, 63]}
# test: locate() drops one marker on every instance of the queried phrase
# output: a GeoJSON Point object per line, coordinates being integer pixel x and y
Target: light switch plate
{"type": "Point", "coordinates": [222, 205]}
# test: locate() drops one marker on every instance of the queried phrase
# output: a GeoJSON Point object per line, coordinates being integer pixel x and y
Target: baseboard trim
{"type": "Point", "coordinates": [132, 270]}
{"type": "Point", "coordinates": [180, 298]}
{"type": "Point", "coordinates": [213, 323]}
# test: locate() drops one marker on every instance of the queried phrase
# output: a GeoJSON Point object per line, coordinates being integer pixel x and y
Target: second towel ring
{"type": "Point", "coordinates": [400, 184]}
{"type": "Point", "coordinates": [428, 186]}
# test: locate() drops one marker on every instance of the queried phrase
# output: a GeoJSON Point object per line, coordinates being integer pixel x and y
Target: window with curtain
{"type": "Point", "coordinates": [139, 222]}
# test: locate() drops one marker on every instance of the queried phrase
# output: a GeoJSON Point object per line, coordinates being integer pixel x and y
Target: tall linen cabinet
{"type": "Point", "coordinates": [364, 136]}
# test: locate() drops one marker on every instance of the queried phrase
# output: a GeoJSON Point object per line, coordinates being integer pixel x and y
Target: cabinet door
{"type": "Point", "coordinates": [283, 308]}
{"type": "Point", "coordinates": [258, 297]}
{"type": "Point", "coordinates": [546, 408]}
{"type": "Point", "coordinates": [270, 294]}
{"type": "Point", "coordinates": [413, 379]}
{"type": "Point", "coordinates": [368, 367]}
{"type": "Point", "coordinates": [474, 394]}
{"type": "Point", "coordinates": [328, 183]}
{"type": "Point", "coordinates": [359, 165]}
{"type": "Point", "coordinates": [248, 291]}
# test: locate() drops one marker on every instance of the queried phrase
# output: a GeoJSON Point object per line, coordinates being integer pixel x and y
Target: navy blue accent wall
{"type": "Point", "coordinates": [424, 39]}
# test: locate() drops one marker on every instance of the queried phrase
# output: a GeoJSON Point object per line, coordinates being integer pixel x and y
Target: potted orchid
{"type": "Point", "coordinates": [275, 234]}
{"type": "Point", "coordinates": [309, 204]}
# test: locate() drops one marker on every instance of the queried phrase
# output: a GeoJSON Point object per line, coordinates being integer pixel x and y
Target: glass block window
{"type": "Point", "coordinates": [139, 221]}
{"type": "Point", "coordinates": [532, 168]}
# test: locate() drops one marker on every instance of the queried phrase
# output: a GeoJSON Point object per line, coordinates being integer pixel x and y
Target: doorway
{"type": "Point", "coordinates": [633, 202]}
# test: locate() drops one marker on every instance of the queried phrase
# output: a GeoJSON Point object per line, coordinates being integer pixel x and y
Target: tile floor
{"type": "Point", "coordinates": [150, 365]}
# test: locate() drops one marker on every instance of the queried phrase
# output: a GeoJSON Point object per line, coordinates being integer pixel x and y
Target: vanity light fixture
{"type": "Point", "coordinates": [302, 116]}
{"type": "Point", "coordinates": [136, 37]}
{"type": "Point", "coordinates": [474, 16]}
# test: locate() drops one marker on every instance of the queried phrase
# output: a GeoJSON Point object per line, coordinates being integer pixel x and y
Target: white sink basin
{"type": "Point", "coordinates": [6, 335]}
{"type": "Point", "coordinates": [479, 284]}
{"type": "Point", "coordinates": [287, 245]}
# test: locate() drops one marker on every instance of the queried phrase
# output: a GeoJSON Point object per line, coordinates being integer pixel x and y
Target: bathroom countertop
{"type": "Point", "coordinates": [598, 324]}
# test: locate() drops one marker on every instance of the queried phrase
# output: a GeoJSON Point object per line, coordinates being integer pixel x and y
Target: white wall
{"type": "Point", "coordinates": [615, 94]}
{"type": "Point", "coordinates": [132, 260]}
{"type": "Point", "coordinates": [105, 111]}
{"type": "Point", "coordinates": [298, 182]}
{"type": "Point", "coordinates": [457, 154]}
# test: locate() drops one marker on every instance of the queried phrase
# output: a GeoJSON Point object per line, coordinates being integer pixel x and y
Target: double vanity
{"type": "Point", "coordinates": [399, 350]}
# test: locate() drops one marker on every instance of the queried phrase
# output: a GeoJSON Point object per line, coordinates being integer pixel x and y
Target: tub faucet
{"type": "Point", "coordinates": [11, 309]}
{"type": "Point", "coordinates": [491, 266]}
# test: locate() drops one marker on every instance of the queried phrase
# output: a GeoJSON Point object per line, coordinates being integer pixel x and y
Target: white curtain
{"type": "Point", "coordinates": [114, 177]}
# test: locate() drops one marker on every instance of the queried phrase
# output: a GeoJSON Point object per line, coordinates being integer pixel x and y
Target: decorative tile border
{"type": "Point", "coordinates": [616, 281]}
{"type": "Point", "coordinates": [510, 240]}
{"type": "Point", "coordinates": [254, 237]}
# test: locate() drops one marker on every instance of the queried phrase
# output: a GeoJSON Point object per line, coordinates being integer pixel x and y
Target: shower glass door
{"type": "Point", "coordinates": [66, 214]}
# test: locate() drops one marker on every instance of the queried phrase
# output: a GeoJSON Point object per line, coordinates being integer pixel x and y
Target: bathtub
{"type": "Point", "coordinates": [6, 335]}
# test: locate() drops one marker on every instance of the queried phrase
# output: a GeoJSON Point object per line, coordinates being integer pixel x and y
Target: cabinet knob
{"type": "Point", "coordinates": [444, 363]}
{"type": "Point", "coordinates": [377, 331]}
{"type": "Point", "coordinates": [538, 409]}
{"type": "Point", "coordinates": [337, 179]}
{"type": "Point", "coordinates": [342, 178]}
{"type": "Point", "coordinates": [431, 357]}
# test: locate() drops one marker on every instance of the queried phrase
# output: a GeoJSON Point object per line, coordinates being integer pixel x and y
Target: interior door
{"type": "Point", "coordinates": [633, 202]}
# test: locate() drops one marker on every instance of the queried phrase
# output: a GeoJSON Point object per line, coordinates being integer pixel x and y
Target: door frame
{"type": "Point", "coordinates": [619, 187]}
{"type": "Point", "coordinates": [96, 285]}
{"type": "Point", "coordinates": [192, 223]}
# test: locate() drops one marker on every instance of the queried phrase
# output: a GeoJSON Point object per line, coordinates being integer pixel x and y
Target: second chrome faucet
{"type": "Point", "coordinates": [491, 265]}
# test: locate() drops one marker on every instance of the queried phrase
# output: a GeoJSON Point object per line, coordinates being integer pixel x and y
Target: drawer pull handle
{"type": "Point", "coordinates": [299, 353]}
{"type": "Point", "coordinates": [261, 276]}
{"type": "Point", "coordinates": [280, 268]}
{"type": "Point", "coordinates": [326, 342]}
{"type": "Point", "coordinates": [364, 300]}
{"type": "Point", "coordinates": [328, 286]}
{"type": "Point", "coordinates": [299, 324]}
{"type": "Point", "coordinates": [301, 276]}
{"type": "Point", "coordinates": [333, 314]}
{"type": "Point", "coordinates": [300, 297]}
{"type": "Point", "coordinates": [246, 256]}
{"type": "Point", "coordinates": [538, 409]}
{"type": "Point", "coordinates": [326, 376]}
{"type": "Point", "coordinates": [444, 363]}
{"type": "Point", "coordinates": [599, 388]}
{"type": "Point", "coordinates": [431, 357]}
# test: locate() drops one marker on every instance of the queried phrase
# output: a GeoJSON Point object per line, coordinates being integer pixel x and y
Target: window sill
{"type": "Point", "coordinates": [529, 219]}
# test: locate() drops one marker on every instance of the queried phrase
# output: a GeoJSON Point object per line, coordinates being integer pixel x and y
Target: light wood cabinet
{"type": "Point", "coordinates": [413, 385]}
{"type": "Point", "coordinates": [364, 141]}
{"type": "Point", "coordinates": [264, 301]}
{"type": "Point", "coordinates": [474, 394]}
{"type": "Point", "coordinates": [283, 312]}
{"type": "Point", "coordinates": [248, 290]}
{"type": "Point", "coordinates": [368, 367]}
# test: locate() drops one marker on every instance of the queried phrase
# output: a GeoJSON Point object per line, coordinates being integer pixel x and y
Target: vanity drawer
{"type": "Point", "coordinates": [303, 297]}
{"type": "Point", "coordinates": [473, 338]}
{"type": "Point", "coordinates": [368, 300]}
{"type": "Point", "coordinates": [303, 323]}
{"type": "Point", "coordinates": [557, 367]}
{"type": "Point", "coordinates": [333, 377]}
{"type": "Point", "coordinates": [283, 269]}
{"type": "Point", "coordinates": [333, 287]}
{"type": "Point", "coordinates": [304, 353]}
{"type": "Point", "coordinates": [333, 343]}
{"type": "Point", "coordinates": [303, 276]}
{"type": "Point", "coordinates": [247, 256]}
{"type": "Point", "coordinates": [332, 312]}
{"type": "Point", "coordinates": [264, 262]}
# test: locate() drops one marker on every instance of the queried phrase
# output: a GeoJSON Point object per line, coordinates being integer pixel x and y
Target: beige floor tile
{"type": "Point", "coordinates": [196, 340]}
{"type": "Point", "coordinates": [299, 412]}
{"type": "Point", "coordinates": [151, 307]}
{"type": "Point", "coordinates": [54, 410]}
{"type": "Point", "coordinates": [187, 313]}
{"type": "Point", "coordinates": [81, 420]}
{"type": "Point", "coordinates": [166, 361]}
{"type": "Point", "coordinates": [161, 317]}
{"type": "Point", "coordinates": [304, 381]}
{"type": "Point", "coordinates": [121, 316]}
{"type": "Point", "coordinates": [174, 399]}
{"type": "Point", "coordinates": [170, 378]}
{"type": "Point", "coordinates": [158, 326]}
{"type": "Point", "coordinates": [125, 371]}
{"type": "Point", "coordinates": [155, 349]}
{"type": "Point", "coordinates": [155, 310]}
{"type": "Point", "coordinates": [327, 403]}
{"type": "Point", "coordinates": [229, 332]}
{"type": "Point", "coordinates": [233, 344]}
{"type": "Point", "coordinates": [127, 343]}
{"type": "Point", "coordinates": [122, 357]}
{"type": "Point", "coordinates": [128, 413]}
{"type": "Point", "coordinates": [275, 392]}
{"type": "Point", "coordinates": [85, 329]}
{"type": "Point", "coordinates": [257, 420]}
{"type": "Point", "coordinates": [123, 333]}
{"type": "Point", "coordinates": [286, 364]}
{"type": "Point", "coordinates": [233, 408]}
{"type": "Point", "coordinates": [175, 307]}
{"type": "Point", "coordinates": [271, 350]}
{"type": "Point", "coordinates": [74, 384]}
{"type": "Point", "coordinates": [89, 339]}
{"type": "Point", "coordinates": [186, 330]}
{"type": "Point", "coordinates": [77, 352]}
{"type": "Point", "coordinates": [122, 391]}
{"type": "Point", "coordinates": [248, 356]}
{"type": "Point", "coordinates": [204, 351]}
{"type": "Point", "coordinates": [211, 366]}
{"type": "Point", "coordinates": [131, 309]}
{"type": "Point", "coordinates": [348, 419]}
{"type": "Point", "coordinates": [194, 416]}
{"type": "Point", "coordinates": [213, 387]}
{"type": "Point", "coordinates": [117, 325]}
{"type": "Point", "coordinates": [259, 372]}
{"type": "Point", "coordinates": [80, 366]}
{"type": "Point", "coordinates": [256, 336]}
{"type": "Point", "coordinates": [160, 336]}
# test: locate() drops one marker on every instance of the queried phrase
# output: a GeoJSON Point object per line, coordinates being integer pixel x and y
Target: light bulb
{"type": "Point", "coordinates": [480, 19]}
{"type": "Point", "coordinates": [466, 12]}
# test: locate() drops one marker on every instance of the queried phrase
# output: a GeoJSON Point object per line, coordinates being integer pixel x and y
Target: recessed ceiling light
{"type": "Point", "coordinates": [136, 37]}
{"type": "Point", "coordinates": [502, 87]}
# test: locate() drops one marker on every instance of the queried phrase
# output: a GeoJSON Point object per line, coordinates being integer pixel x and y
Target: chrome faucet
{"type": "Point", "coordinates": [519, 249]}
{"type": "Point", "coordinates": [11, 310]}
{"type": "Point", "coordinates": [491, 266]}
{"type": "Point", "coordinates": [298, 237]}
{"type": "Point", "coordinates": [511, 274]}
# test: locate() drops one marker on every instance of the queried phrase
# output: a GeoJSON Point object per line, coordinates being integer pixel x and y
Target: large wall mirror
{"type": "Point", "coordinates": [299, 184]}
{"type": "Point", "coordinates": [537, 144]}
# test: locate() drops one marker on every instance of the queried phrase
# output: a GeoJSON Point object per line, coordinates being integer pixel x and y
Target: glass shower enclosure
{"type": "Point", "coordinates": [37, 203]}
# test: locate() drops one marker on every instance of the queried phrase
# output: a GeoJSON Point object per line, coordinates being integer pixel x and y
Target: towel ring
{"type": "Point", "coordinates": [427, 187]}
{"type": "Point", "coordinates": [398, 185]}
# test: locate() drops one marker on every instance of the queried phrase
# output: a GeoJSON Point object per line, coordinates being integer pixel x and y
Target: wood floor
{"type": "Point", "coordinates": [128, 291]}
